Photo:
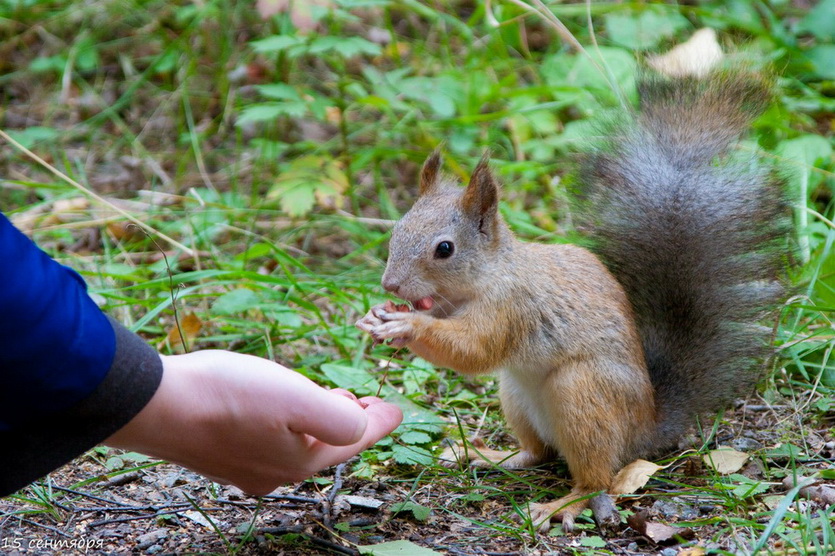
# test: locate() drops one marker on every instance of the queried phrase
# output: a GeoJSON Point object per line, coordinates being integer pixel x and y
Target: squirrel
{"type": "Point", "coordinates": [610, 354]}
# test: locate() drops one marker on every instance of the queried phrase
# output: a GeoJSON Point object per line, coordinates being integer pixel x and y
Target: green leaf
{"type": "Point", "coordinates": [439, 93]}
{"type": "Point", "coordinates": [822, 58]}
{"type": "Point", "coordinates": [276, 43]}
{"type": "Point", "coordinates": [785, 451]}
{"type": "Point", "coordinates": [47, 64]}
{"type": "Point", "coordinates": [411, 455]}
{"type": "Point", "coordinates": [347, 47]}
{"type": "Point", "coordinates": [593, 542]}
{"type": "Point", "coordinates": [820, 21]}
{"type": "Point", "coordinates": [421, 513]}
{"type": "Point", "coordinates": [396, 548]}
{"type": "Point", "coordinates": [644, 31]}
{"type": "Point", "coordinates": [575, 74]}
{"type": "Point", "coordinates": [30, 136]}
{"type": "Point", "coordinates": [88, 57]}
{"type": "Point", "coordinates": [135, 457]}
{"type": "Point", "coordinates": [278, 91]}
{"type": "Point", "coordinates": [309, 179]}
{"type": "Point", "coordinates": [297, 197]}
{"type": "Point", "coordinates": [415, 437]}
{"type": "Point", "coordinates": [359, 381]}
{"type": "Point", "coordinates": [282, 314]}
{"type": "Point", "coordinates": [236, 302]}
{"type": "Point", "coordinates": [114, 463]}
{"type": "Point", "coordinates": [259, 113]}
{"type": "Point", "coordinates": [254, 251]}
{"type": "Point", "coordinates": [746, 487]}
{"type": "Point", "coordinates": [800, 156]}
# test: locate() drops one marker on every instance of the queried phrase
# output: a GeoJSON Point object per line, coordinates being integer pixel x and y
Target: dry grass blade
{"type": "Point", "coordinates": [92, 194]}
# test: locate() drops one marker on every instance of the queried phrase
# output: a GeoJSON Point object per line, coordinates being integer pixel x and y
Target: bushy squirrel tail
{"type": "Point", "coordinates": [695, 230]}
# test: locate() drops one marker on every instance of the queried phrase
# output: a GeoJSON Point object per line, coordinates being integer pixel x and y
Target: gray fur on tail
{"type": "Point", "coordinates": [695, 236]}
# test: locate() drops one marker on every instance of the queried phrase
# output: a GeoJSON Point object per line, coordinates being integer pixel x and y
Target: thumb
{"type": "Point", "coordinates": [383, 418]}
{"type": "Point", "coordinates": [330, 417]}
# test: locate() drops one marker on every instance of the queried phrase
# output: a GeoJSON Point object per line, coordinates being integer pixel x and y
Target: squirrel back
{"type": "Point", "coordinates": [694, 233]}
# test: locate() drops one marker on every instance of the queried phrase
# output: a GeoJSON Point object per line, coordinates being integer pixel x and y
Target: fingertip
{"type": "Point", "coordinates": [383, 418]}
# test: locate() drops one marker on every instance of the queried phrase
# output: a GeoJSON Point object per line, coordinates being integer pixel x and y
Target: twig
{"type": "Point", "coordinates": [165, 511]}
{"type": "Point", "coordinates": [328, 502]}
{"type": "Point", "coordinates": [122, 479]}
{"type": "Point", "coordinates": [381, 222]}
{"type": "Point", "coordinates": [292, 498]}
{"type": "Point", "coordinates": [42, 526]}
{"type": "Point", "coordinates": [91, 496]}
{"type": "Point", "coordinates": [150, 507]}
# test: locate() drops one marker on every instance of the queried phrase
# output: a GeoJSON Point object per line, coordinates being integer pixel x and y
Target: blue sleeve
{"type": "Point", "coordinates": [56, 345]}
{"type": "Point", "coordinates": [69, 375]}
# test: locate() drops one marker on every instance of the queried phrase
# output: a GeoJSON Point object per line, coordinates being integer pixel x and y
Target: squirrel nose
{"type": "Point", "coordinates": [390, 285]}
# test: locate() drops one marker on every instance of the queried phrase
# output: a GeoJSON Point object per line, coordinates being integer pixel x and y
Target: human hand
{"type": "Point", "coordinates": [250, 422]}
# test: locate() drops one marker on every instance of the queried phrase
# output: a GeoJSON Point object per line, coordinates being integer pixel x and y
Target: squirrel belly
{"type": "Point", "coordinates": [579, 384]}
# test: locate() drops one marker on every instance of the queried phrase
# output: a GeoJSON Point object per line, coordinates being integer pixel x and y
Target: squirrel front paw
{"type": "Point", "coordinates": [389, 321]}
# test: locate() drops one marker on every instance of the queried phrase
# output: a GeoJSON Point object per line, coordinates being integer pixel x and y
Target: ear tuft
{"type": "Point", "coordinates": [430, 173]}
{"type": "Point", "coordinates": [481, 199]}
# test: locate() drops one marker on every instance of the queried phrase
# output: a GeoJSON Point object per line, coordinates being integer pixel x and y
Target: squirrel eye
{"type": "Point", "coordinates": [444, 250]}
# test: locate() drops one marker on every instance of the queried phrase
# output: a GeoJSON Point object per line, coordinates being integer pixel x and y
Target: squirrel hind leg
{"type": "Point", "coordinates": [565, 510]}
{"type": "Point", "coordinates": [476, 453]}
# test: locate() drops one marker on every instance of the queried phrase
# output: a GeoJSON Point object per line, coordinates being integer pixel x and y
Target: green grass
{"type": "Point", "coordinates": [280, 160]}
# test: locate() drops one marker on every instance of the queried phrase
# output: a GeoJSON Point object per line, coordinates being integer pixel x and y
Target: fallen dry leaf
{"type": "Point", "coordinates": [190, 325]}
{"type": "Point", "coordinates": [633, 476]}
{"type": "Point", "coordinates": [819, 492]}
{"type": "Point", "coordinates": [659, 533]}
{"type": "Point", "coordinates": [725, 460]}
{"type": "Point", "coordinates": [125, 231]}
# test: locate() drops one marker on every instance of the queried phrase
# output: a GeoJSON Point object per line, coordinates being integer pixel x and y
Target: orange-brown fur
{"type": "Point", "coordinates": [596, 369]}
{"type": "Point", "coordinates": [563, 339]}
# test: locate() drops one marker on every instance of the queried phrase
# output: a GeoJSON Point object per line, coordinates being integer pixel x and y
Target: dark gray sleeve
{"type": "Point", "coordinates": [33, 450]}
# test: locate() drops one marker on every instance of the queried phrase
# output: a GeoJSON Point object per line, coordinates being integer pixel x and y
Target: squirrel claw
{"type": "Point", "coordinates": [543, 515]}
{"type": "Point", "coordinates": [388, 321]}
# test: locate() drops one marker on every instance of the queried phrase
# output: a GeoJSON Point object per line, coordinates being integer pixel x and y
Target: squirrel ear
{"type": "Point", "coordinates": [429, 173]}
{"type": "Point", "coordinates": [481, 198]}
